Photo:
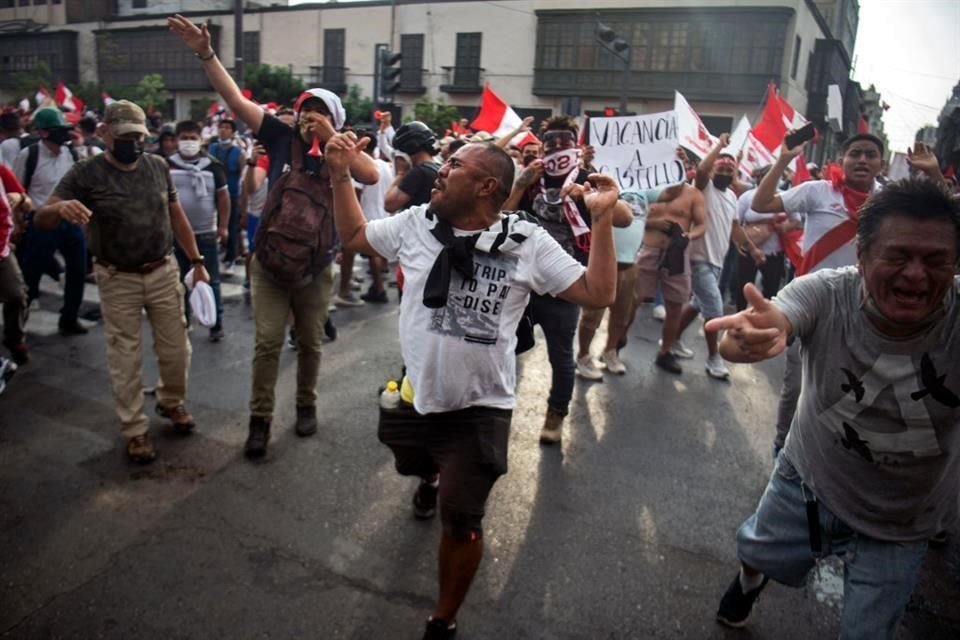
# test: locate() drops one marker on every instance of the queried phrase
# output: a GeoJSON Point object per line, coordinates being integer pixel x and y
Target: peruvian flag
{"type": "Point", "coordinates": [777, 119]}
{"type": "Point", "coordinates": [862, 125]}
{"type": "Point", "coordinates": [24, 105]}
{"type": "Point", "coordinates": [41, 96]}
{"type": "Point", "coordinates": [496, 116]}
{"type": "Point", "coordinates": [107, 100]}
{"type": "Point", "coordinates": [691, 132]}
{"type": "Point", "coordinates": [67, 100]}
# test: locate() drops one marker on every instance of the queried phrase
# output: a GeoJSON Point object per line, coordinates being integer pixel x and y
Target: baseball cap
{"type": "Point", "coordinates": [49, 118]}
{"type": "Point", "coordinates": [123, 117]}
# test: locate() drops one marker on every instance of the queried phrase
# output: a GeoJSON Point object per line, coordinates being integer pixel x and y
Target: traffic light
{"type": "Point", "coordinates": [389, 73]}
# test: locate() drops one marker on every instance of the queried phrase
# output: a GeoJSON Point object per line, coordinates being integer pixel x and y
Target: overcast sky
{"type": "Point", "coordinates": [909, 49]}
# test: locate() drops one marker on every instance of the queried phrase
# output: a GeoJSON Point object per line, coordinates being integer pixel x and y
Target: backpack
{"type": "Point", "coordinates": [296, 234]}
{"type": "Point", "coordinates": [33, 156]}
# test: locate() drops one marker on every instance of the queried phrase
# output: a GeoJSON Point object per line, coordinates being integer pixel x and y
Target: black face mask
{"type": "Point", "coordinates": [528, 159]}
{"type": "Point", "coordinates": [722, 182]}
{"type": "Point", "coordinates": [127, 151]}
{"type": "Point", "coordinates": [58, 136]}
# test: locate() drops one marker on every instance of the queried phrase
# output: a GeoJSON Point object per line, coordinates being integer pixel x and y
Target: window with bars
{"type": "Point", "coordinates": [251, 47]}
{"type": "Point", "coordinates": [467, 70]}
{"type": "Point", "coordinates": [411, 64]}
{"type": "Point", "coordinates": [334, 54]}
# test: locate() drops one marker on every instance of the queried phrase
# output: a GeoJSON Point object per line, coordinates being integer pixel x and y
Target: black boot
{"type": "Point", "coordinates": [306, 421]}
{"type": "Point", "coordinates": [256, 446]}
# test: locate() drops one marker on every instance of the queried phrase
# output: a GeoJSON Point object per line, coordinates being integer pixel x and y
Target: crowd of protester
{"type": "Point", "coordinates": [485, 239]}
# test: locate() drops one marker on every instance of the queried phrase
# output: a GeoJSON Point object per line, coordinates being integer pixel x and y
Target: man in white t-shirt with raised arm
{"type": "Point", "coordinates": [871, 467]}
{"type": "Point", "coordinates": [469, 273]}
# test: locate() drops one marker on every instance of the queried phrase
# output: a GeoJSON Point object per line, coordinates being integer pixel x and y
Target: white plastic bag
{"type": "Point", "coordinates": [202, 303]}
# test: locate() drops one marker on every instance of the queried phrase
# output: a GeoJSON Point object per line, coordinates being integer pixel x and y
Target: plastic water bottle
{"type": "Point", "coordinates": [390, 397]}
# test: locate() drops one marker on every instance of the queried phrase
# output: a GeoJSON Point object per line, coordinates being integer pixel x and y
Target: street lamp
{"type": "Point", "coordinates": [620, 49]}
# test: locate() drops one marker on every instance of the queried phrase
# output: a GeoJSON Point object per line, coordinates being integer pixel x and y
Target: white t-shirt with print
{"type": "Point", "coordinates": [824, 209]}
{"type": "Point", "coordinates": [462, 355]}
{"type": "Point", "coordinates": [721, 210]}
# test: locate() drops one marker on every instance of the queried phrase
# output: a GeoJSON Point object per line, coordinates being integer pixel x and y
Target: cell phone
{"type": "Point", "coordinates": [801, 135]}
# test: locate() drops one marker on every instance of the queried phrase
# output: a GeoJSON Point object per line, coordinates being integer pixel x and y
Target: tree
{"type": "Point", "coordinates": [26, 83]}
{"type": "Point", "coordinates": [359, 108]}
{"type": "Point", "coordinates": [436, 115]}
{"type": "Point", "coordinates": [272, 83]}
{"type": "Point", "coordinates": [151, 92]}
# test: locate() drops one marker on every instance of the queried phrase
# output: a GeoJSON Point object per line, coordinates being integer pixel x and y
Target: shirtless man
{"type": "Point", "coordinates": [674, 220]}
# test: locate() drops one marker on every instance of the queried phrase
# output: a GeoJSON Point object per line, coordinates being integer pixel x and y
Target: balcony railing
{"type": "Point", "coordinates": [463, 80]}
{"type": "Point", "coordinates": [330, 78]}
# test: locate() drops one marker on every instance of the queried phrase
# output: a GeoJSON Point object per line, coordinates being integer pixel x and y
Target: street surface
{"type": "Point", "coordinates": [626, 532]}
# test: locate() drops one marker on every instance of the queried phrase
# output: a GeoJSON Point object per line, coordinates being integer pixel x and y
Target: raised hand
{"type": "Point", "coordinates": [758, 333]}
{"type": "Point", "coordinates": [196, 38]}
{"type": "Point", "coordinates": [922, 158]}
{"type": "Point", "coordinates": [723, 140]}
{"type": "Point", "coordinates": [531, 174]}
{"type": "Point", "coordinates": [600, 194]}
{"type": "Point", "coordinates": [342, 149]}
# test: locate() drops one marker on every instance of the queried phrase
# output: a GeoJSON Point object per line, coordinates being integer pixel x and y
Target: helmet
{"type": "Point", "coordinates": [49, 118]}
{"type": "Point", "coordinates": [414, 136]}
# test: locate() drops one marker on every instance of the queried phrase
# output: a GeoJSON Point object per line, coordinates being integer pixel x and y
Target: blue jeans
{"type": "Point", "coordinates": [39, 247]}
{"type": "Point", "coordinates": [878, 576]}
{"type": "Point", "coordinates": [558, 319]}
{"type": "Point", "coordinates": [707, 297]}
{"type": "Point", "coordinates": [207, 245]}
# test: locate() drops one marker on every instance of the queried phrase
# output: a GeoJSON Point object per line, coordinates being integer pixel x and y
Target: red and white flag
{"type": "Point", "coordinates": [41, 96]}
{"type": "Point", "coordinates": [107, 100]}
{"type": "Point", "coordinates": [496, 116]}
{"type": "Point", "coordinates": [24, 105]}
{"type": "Point", "coordinates": [67, 100]}
{"type": "Point", "coordinates": [691, 132]}
{"type": "Point", "coordinates": [777, 118]}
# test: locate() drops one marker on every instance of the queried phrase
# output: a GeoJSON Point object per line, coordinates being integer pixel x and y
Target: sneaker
{"type": "Point", "coordinates": [347, 300]}
{"type": "Point", "coordinates": [306, 421]}
{"type": "Point", "coordinates": [612, 362]}
{"type": "Point", "coordinates": [679, 350]}
{"type": "Point", "coordinates": [216, 334]}
{"type": "Point", "coordinates": [425, 500]}
{"type": "Point", "coordinates": [659, 312]}
{"type": "Point", "coordinates": [226, 269]}
{"type": "Point", "coordinates": [140, 449]}
{"type": "Point", "coordinates": [376, 297]}
{"type": "Point", "coordinates": [552, 427]}
{"type": "Point", "coordinates": [438, 629]}
{"type": "Point", "coordinates": [179, 416]}
{"type": "Point", "coordinates": [330, 330]}
{"type": "Point", "coordinates": [18, 352]}
{"type": "Point", "coordinates": [73, 328]}
{"type": "Point", "coordinates": [587, 368]}
{"type": "Point", "coordinates": [256, 445]}
{"type": "Point", "coordinates": [7, 369]}
{"type": "Point", "coordinates": [668, 362]}
{"type": "Point", "coordinates": [735, 605]}
{"type": "Point", "coordinates": [292, 339]}
{"type": "Point", "coordinates": [716, 368]}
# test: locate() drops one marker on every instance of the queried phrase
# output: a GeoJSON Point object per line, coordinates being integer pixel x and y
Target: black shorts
{"type": "Point", "coordinates": [467, 447]}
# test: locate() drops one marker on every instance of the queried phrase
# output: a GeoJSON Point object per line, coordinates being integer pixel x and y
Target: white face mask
{"type": "Point", "coordinates": [560, 163]}
{"type": "Point", "coordinates": [188, 148]}
{"type": "Point", "coordinates": [225, 142]}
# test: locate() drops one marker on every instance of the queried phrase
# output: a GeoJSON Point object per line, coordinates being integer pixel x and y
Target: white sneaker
{"type": "Point", "coordinates": [679, 350]}
{"type": "Point", "coordinates": [347, 300]}
{"type": "Point", "coordinates": [587, 368]}
{"type": "Point", "coordinates": [659, 312]}
{"type": "Point", "coordinates": [716, 368]}
{"type": "Point", "coordinates": [612, 362]}
{"type": "Point", "coordinates": [226, 269]}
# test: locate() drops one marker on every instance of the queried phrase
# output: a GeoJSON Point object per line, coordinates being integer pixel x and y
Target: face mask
{"type": "Point", "coordinates": [225, 142]}
{"type": "Point", "coordinates": [722, 182]}
{"type": "Point", "coordinates": [528, 159]}
{"type": "Point", "coordinates": [188, 148]}
{"type": "Point", "coordinates": [58, 136]}
{"type": "Point", "coordinates": [127, 151]}
{"type": "Point", "coordinates": [560, 163]}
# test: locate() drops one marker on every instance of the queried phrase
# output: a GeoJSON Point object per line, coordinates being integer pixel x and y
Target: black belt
{"type": "Point", "coordinates": [145, 268]}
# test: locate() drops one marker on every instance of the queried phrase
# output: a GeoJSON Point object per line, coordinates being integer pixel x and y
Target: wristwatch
{"type": "Point", "coordinates": [197, 261]}
{"type": "Point", "coordinates": [207, 57]}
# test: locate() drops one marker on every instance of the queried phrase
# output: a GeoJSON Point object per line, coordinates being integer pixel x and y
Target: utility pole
{"type": "Point", "coordinates": [238, 42]}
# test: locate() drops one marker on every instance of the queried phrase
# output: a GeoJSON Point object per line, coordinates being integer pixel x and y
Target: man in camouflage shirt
{"type": "Point", "coordinates": [129, 206]}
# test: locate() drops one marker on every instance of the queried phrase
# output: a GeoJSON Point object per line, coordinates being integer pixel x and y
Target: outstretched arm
{"type": "Point", "coordinates": [198, 40]}
{"type": "Point", "coordinates": [340, 152]}
{"type": "Point", "coordinates": [758, 333]}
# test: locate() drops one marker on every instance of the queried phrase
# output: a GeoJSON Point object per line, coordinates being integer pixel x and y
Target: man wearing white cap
{"type": "Point", "coordinates": [319, 114]}
{"type": "Point", "coordinates": [126, 200]}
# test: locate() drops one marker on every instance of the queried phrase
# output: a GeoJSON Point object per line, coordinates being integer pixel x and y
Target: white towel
{"type": "Point", "coordinates": [202, 303]}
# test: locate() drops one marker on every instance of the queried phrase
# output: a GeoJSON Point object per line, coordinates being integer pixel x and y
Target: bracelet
{"type": "Point", "coordinates": [251, 163]}
{"type": "Point", "coordinates": [197, 261]}
{"type": "Point", "coordinates": [205, 58]}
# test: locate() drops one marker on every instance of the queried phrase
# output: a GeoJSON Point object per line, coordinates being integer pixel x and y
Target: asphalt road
{"type": "Point", "coordinates": [625, 532]}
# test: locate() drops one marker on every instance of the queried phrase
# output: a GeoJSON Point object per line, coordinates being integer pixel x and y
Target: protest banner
{"type": "Point", "coordinates": [639, 151]}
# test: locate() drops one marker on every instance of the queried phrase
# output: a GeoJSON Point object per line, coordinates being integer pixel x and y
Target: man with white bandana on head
{"type": "Point", "coordinates": [540, 192]}
{"type": "Point", "coordinates": [319, 114]}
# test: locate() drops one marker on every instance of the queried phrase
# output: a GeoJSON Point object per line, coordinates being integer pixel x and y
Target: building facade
{"type": "Point", "coordinates": [541, 56]}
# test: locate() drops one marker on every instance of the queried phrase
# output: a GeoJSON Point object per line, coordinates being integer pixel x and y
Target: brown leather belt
{"type": "Point", "coordinates": [143, 269]}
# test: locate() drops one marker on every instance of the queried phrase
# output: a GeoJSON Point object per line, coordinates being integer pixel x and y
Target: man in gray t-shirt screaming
{"type": "Point", "coordinates": [871, 466]}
